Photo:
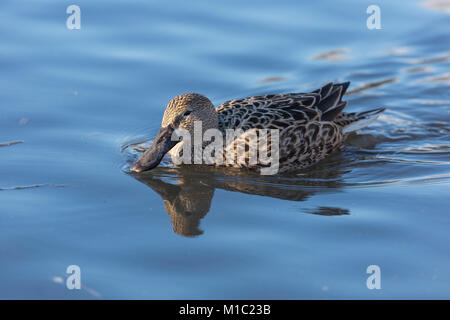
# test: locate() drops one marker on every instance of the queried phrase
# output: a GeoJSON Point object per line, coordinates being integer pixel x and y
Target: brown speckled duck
{"type": "Point", "coordinates": [311, 125]}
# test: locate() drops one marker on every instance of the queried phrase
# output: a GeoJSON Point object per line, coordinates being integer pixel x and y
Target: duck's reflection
{"type": "Point", "coordinates": [186, 200]}
{"type": "Point", "coordinates": [187, 192]}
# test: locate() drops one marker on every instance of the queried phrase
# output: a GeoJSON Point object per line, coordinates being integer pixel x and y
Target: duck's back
{"type": "Point", "coordinates": [311, 125]}
{"type": "Point", "coordinates": [279, 111]}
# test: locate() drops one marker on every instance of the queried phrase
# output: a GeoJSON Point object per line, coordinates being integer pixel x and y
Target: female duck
{"type": "Point", "coordinates": [309, 127]}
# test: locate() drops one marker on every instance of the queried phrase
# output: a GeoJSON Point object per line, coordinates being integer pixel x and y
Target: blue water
{"type": "Point", "coordinates": [74, 98]}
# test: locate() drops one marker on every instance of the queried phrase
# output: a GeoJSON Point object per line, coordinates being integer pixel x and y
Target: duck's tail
{"type": "Point", "coordinates": [357, 120]}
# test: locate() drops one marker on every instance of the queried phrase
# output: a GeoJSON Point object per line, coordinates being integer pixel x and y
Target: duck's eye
{"type": "Point", "coordinates": [188, 112]}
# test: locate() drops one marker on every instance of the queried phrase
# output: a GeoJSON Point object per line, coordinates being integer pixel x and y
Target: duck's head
{"type": "Point", "coordinates": [181, 113]}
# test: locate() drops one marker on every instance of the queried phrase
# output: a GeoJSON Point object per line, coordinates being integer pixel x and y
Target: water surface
{"type": "Point", "coordinates": [71, 99]}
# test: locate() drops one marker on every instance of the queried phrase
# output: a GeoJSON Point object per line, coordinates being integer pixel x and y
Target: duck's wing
{"type": "Point", "coordinates": [278, 111]}
{"type": "Point", "coordinates": [306, 144]}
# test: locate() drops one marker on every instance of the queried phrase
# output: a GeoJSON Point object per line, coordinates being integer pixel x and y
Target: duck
{"type": "Point", "coordinates": [308, 127]}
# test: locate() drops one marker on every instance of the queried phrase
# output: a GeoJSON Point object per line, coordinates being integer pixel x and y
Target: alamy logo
{"type": "Point", "coordinates": [374, 20]}
{"type": "Point", "coordinates": [74, 20]}
{"type": "Point", "coordinates": [74, 279]}
{"type": "Point", "coordinates": [374, 280]}
{"type": "Point", "coordinates": [254, 147]}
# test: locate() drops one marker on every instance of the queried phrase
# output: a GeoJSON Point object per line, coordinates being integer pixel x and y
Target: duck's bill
{"type": "Point", "coordinates": [153, 156]}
